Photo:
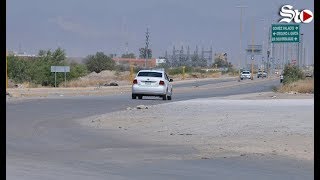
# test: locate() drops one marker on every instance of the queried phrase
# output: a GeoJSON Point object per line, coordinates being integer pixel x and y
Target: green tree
{"type": "Point", "coordinates": [18, 69]}
{"type": "Point", "coordinates": [41, 67]}
{"type": "Point", "coordinates": [291, 74]}
{"type": "Point", "coordinates": [77, 70]}
{"type": "Point", "coordinates": [130, 55]}
{"type": "Point", "coordinates": [59, 56]}
{"type": "Point", "coordinates": [143, 53]}
{"type": "Point", "coordinates": [221, 63]}
{"type": "Point", "coordinates": [38, 69]}
{"type": "Point", "coordinates": [99, 62]}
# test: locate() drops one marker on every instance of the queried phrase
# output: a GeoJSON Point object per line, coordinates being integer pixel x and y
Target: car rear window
{"type": "Point", "coordinates": [150, 74]}
{"type": "Point", "coordinates": [245, 72]}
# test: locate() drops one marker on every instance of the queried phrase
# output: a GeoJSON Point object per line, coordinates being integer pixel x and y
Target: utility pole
{"type": "Point", "coordinates": [147, 46]}
{"type": "Point", "coordinates": [301, 52]}
{"type": "Point", "coordinates": [268, 51]}
{"type": "Point", "coordinates": [6, 70]}
{"type": "Point", "coordinates": [240, 41]}
{"type": "Point", "coordinates": [127, 49]}
{"type": "Point", "coordinates": [304, 57]}
{"type": "Point", "coordinates": [252, 57]}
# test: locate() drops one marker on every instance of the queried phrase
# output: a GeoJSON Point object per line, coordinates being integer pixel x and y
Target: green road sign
{"type": "Point", "coordinates": [285, 33]}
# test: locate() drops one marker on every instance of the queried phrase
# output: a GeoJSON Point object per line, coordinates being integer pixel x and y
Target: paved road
{"type": "Point", "coordinates": [44, 142]}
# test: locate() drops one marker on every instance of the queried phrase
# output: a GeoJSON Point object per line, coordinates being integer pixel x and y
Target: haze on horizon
{"type": "Point", "coordinates": [84, 27]}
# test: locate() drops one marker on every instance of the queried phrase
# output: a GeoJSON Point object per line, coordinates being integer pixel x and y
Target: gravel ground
{"type": "Point", "coordinates": [264, 124]}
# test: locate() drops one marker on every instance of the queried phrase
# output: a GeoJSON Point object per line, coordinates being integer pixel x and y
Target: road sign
{"type": "Point", "coordinates": [60, 68]}
{"type": "Point", "coordinates": [257, 50]}
{"type": "Point", "coordinates": [285, 33]}
{"type": "Point", "coordinates": [56, 69]}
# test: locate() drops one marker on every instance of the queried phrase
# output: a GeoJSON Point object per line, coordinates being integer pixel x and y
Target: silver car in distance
{"type": "Point", "coordinates": [152, 83]}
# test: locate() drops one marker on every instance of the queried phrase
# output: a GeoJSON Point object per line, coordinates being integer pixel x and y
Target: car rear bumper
{"type": "Point", "coordinates": [149, 90]}
{"type": "Point", "coordinates": [245, 77]}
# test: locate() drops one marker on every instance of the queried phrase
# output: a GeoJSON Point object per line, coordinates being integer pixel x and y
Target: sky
{"type": "Point", "coordinates": [84, 27]}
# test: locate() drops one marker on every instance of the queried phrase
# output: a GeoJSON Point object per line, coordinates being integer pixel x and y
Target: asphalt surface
{"type": "Point", "coordinates": [45, 142]}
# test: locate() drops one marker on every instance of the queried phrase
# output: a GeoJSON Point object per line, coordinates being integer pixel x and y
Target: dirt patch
{"type": "Point", "coordinates": [222, 127]}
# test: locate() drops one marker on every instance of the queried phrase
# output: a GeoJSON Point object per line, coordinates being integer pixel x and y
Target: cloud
{"type": "Point", "coordinates": [82, 30]}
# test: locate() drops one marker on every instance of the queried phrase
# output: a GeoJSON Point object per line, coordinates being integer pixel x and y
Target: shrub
{"type": "Point", "coordinates": [292, 74]}
{"type": "Point", "coordinates": [99, 62]}
{"type": "Point", "coordinates": [77, 70]}
{"type": "Point", "coordinates": [18, 69]}
{"type": "Point", "coordinates": [37, 70]}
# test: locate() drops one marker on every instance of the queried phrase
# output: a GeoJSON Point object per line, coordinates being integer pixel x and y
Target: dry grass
{"type": "Point", "coordinates": [301, 86]}
{"type": "Point", "coordinates": [197, 75]}
{"type": "Point", "coordinates": [104, 77]}
{"type": "Point", "coordinates": [84, 83]}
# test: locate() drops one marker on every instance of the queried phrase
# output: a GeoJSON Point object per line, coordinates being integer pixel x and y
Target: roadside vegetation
{"type": "Point", "coordinates": [99, 62]}
{"type": "Point", "coordinates": [294, 80]}
{"type": "Point", "coordinates": [300, 86]}
{"type": "Point", "coordinates": [37, 70]}
{"type": "Point", "coordinates": [95, 70]}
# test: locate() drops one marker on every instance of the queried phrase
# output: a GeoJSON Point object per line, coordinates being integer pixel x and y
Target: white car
{"type": "Point", "coordinates": [245, 75]}
{"type": "Point", "coordinates": [262, 74]}
{"type": "Point", "coordinates": [152, 83]}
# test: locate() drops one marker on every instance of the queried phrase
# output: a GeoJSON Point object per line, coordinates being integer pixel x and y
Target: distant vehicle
{"type": "Point", "coordinates": [152, 83]}
{"type": "Point", "coordinates": [262, 74]}
{"type": "Point", "coordinates": [308, 74]}
{"type": "Point", "coordinates": [281, 78]}
{"type": "Point", "coordinates": [245, 75]}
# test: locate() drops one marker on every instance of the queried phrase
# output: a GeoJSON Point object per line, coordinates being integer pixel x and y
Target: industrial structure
{"type": "Point", "coordinates": [137, 62]}
{"type": "Point", "coordinates": [196, 59]}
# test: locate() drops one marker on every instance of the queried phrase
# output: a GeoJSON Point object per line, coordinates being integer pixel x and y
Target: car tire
{"type": "Point", "coordinates": [241, 78]}
{"type": "Point", "coordinates": [164, 97]}
{"type": "Point", "coordinates": [139, 97]}
{"type": "Point", "coordinates": [133, 96]}
{"type": "Point", "coordinates": [169, 97]}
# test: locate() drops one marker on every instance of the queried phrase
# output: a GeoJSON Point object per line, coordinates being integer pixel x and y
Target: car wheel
{"type": "Point", "coordinates": [241, 78]}
{"type": "Point", "coordinates": [133, 96]}
{"type": "Point", "coordinates": [139, 97]}
{"type": "Point", "coordinates": [169, 97]}
{"type": "Point", "coordinates": [164, 97]}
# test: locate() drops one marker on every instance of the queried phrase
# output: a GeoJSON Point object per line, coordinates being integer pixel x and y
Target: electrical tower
{"type": "Point", "coordinates": [207, 57]}
{"type": "Point", "coordinates": [127, 48]}
{"type": "Point", "coordinates": [188, 55]}
{"type": "Point", "coordinates": [147, 47]}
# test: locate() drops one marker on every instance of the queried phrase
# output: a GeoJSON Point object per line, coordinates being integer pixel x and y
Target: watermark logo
{"type": "Point", "coordinates": [289, 14]}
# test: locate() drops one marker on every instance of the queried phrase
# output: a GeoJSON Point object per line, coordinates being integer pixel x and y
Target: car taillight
{"type": "Point", "coordinates": [135, 81]}
{"type": "Point", "coordinates": [161, 83]}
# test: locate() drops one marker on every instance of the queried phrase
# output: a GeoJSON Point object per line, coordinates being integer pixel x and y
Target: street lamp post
{"type": "Point", "coordinates": [240, 41]}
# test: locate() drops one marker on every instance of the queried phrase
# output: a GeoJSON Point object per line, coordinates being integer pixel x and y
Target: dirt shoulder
{"type": "Point", "coordinates": [271, 95]}
{"type": "Point", "coordinates": [223, 127]}
{"type": "Point", "coordinates": [43, 92]}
